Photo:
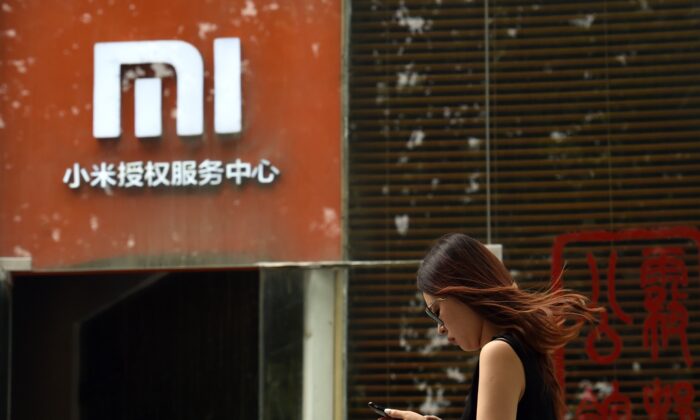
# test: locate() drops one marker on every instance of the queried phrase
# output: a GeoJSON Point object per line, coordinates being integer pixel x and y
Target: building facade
{"type": "Point", "coordinates": [217, 210]}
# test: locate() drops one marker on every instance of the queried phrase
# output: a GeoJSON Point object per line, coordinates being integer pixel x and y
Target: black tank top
{"type": "Point", "coordinates": [536, 402]}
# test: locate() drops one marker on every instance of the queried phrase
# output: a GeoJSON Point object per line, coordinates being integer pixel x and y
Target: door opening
{"type": "Point", "coordinates": [176, 345]}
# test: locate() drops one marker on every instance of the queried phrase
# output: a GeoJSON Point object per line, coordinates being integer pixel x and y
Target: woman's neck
{"type": "Point", "coordinates": [488, 331]}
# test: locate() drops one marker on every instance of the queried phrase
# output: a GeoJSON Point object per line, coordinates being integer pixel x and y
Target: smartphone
{"type": "Point", "coordinates": [377, 408]}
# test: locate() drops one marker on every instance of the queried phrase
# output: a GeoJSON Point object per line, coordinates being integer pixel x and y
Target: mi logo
{"type": "Point", "coordinates": [189, 67]}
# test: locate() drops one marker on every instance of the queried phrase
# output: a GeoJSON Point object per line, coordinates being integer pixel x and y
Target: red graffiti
{"type": "Point", "coordinates": [615, 406]}
{"type": "Point", "coordinates": [683, 396]}
{"type": "Point", "coordinates": [663, 279]}
{"type": "Point", "coordinates": [659, 399]}
{"type": "Point", "coordinates": [663, 267]}
{"type": "Point", "coordinates": [603, 329]}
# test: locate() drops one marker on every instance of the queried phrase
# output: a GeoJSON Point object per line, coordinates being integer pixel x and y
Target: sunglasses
{"type": "Point", "coordinates": [432, 314]}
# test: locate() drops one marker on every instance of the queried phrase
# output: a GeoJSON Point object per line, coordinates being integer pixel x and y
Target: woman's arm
{"type": "Point", "coordinates": [406, 415]}
{"type": "Point", "coordinates": [501, 382]}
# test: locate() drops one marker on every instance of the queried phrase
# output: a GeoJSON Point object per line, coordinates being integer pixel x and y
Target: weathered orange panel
{"type": "Point", "coordinates": [291, 53]}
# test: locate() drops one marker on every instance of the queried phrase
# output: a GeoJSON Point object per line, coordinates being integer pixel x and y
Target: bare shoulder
{"type": "Point", "coordinates": [498, 351]}
{"type": "Point", "coordinates": [501, 366]}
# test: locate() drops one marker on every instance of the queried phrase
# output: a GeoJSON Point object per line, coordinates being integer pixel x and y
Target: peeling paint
{"type": "Point", "coordinates": [21, 252]}
{"type": "Point", "coordinates": [402, 222]}
{"type": "Point", "coordinates": [205, 28]}
{"type": "Point", "coordinates": [249, 10]}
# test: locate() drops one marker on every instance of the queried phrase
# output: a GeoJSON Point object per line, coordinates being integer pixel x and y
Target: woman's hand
{"type": "Point", "coordinates": [406, 415]}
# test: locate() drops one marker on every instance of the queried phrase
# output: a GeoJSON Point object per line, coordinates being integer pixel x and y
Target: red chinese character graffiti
{"type": "Point", "coordinates": [663, 267]}
{"type": "Point", "coordinates": [664, 282]}
{"type": "Point", "coordinates": [616, 406]}
{"type": "Point", "coordinates": [603, 329]}
{"type": "Point", "coordinates": [589, 408]}
{"type": "Point", "coordinates": [683, 396]}
{"type": "Point", "coordinates": [659, 398]}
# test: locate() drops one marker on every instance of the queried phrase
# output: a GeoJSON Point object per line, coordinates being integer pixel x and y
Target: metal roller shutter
{"type": "Point", "coordinates": [547, 119]}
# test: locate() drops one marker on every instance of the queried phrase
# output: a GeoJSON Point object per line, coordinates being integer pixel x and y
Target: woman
{"type": "Point", "coordinates": [476, 303]}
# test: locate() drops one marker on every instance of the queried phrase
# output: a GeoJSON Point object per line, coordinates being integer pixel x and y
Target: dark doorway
{"type": "Point", "coordinates": [175, 346]}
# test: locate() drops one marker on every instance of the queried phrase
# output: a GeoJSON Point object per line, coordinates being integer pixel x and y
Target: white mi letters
{"type": "Point", "coordinates": [189, 67]}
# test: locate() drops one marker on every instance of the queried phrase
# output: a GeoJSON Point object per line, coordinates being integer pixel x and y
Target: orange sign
{"type": "Point", "coordinates": [227, 159]}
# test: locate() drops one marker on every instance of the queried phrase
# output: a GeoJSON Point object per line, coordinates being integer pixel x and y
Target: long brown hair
{"type": "Point", "coordinates": [460, 266]}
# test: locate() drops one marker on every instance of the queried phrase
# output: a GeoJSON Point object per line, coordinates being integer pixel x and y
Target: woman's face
{"type": "Point", "coordinates": [462, 325]}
